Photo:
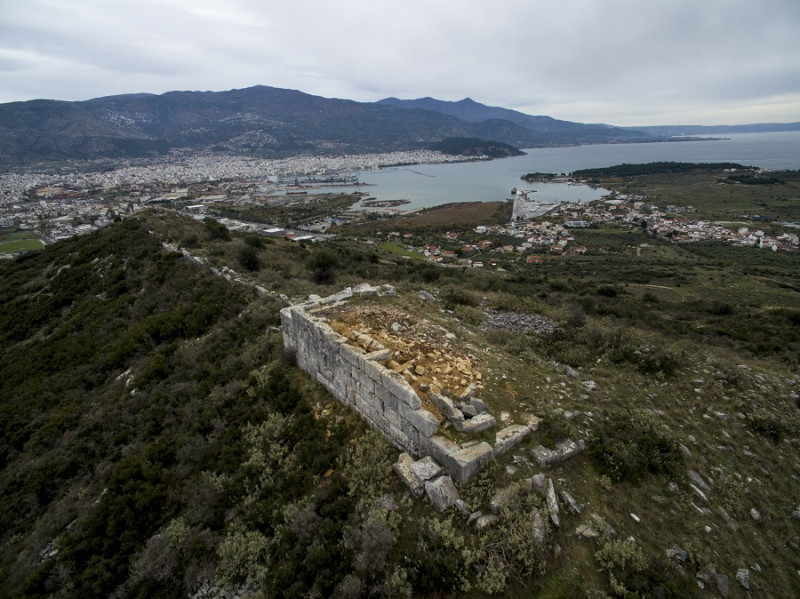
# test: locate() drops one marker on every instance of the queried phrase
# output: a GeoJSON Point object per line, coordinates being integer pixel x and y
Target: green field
{"type": "Point", "coordinates": [12, 241]}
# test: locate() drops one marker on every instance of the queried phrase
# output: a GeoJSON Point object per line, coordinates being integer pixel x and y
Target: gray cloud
{"type": "Point", "coordinates": [625, 62]}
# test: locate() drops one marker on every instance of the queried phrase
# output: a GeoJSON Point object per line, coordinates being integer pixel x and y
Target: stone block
{"type": "Point", "coordinates": [480, 423]}
{"type": "Point", "coordinates": [446, 406]}
{"type": "Point", "coordinates": [380, 355]}
{"type": "Point", "coordinates": [426, 468]}
{"type": "Point", "coordinates": [461, 463]}
{"type": "Point", "coordinates": [422, 420]}
{"type": "Point", "coordinates": [402, 467]}
{"type": "Point", "coordinates": [442, 493]}
{"type": "Point", "coordinates": [552, 503]}
{"type": "Point", "coordinates": [508, 437]}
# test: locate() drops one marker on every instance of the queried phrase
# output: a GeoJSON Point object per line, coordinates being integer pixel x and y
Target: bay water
{"type": "Point", "coordinates": [489, 181]}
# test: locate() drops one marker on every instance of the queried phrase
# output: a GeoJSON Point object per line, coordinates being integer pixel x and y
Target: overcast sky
{"type": "Point", "coordinates": [624, 62]}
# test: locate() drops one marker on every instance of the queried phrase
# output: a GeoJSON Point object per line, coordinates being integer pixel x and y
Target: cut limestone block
{"type": "Point", "coordinates": [507, 438]}
{"type": "Point", "coordinates": [442, 493]}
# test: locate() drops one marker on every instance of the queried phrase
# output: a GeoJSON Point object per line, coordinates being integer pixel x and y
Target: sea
{"type": "Point", "coordinates": [430, 185]}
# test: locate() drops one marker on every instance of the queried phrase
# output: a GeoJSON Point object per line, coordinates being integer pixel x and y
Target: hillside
{"type": "Point", "coordinates": [156, 440]}
{"type": "Point", "coordinates": [260, 120]}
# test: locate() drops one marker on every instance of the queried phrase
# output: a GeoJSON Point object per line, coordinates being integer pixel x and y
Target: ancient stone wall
{"type": "Point", "coordinates": [356, 377]}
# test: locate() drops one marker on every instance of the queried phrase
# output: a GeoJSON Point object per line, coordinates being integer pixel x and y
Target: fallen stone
{"type": "Point", "coordinates": [386, 290]}
{"type": "Point", "coordinates": [499, 499]}
{"type": "Point", "coordinates": [485, 521]}
{"type": "Point", "coordinates": [448, 409]}
{"type": "Point", "coordinates": [678, 554]}
{"type": "Point", "coordinates": [698, 492]}
{"type": "Point", "coordinates": [463, 507]}
{"type": "Point", "coordinates": [474, 516]}
{"type": "Point", "coordinates": [479, 404]}
{"type": "Point", "coordinates": [397, 327]}
{"type": "Point", "coordinates": [552, 503]}
{"type": "Point", "coordinates": [539, 483]}
{"type": "Point", "coordinates": [589, 385]}
{"type": "Point", "coordinates": [442, 493]}
{"type": "Point", "coordinates": [587, 531]}
{"type": "Point", "coordinates": [426, 297]}
{"type": "Point", "coordinates": [468, 392]}
{"type": "Point", "coordinates": [426, 468]}
{"type": "Point", "coordinates": [402, 467]}
{"type": "Point", "coordinates": [380, 355]}
{"type": "Point", "coordinates": [365, 289]}
{"type": "Point", "coordinates": [461, 462]}
{"type": "Point", "coordinates": [570, 372]}
{"type": "Point", "coordinates": [755, 514]}
{"type": "Point", "coordinates": [698, 480]}
{"type": "Point", "coordinates": [570, 501]}
{"type": "Point", "coordinates": [743, 576]}
{"type": "Point", "coordinates": [604, 527]}
{"type": "Point", "coordinates": [469, 411]}
{"type": "Point", "coordinates": [564, 450]}
{"type": "Point", "coordinates": [478, 424]}
{"type": "Point", "coordinates": [508, 437]}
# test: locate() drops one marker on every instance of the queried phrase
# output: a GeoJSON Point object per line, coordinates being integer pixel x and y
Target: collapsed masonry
{"type": "Point", "coordinates": [354, 369]}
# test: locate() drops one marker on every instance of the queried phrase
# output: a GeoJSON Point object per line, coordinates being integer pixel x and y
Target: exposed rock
{"type": "Point", "coordinates": [570, 372]}
{"type": "Point", "coordinates": [589, 385]}
{"type": "Point", "coordinates": [698, 492]}
{"type": "Point", "coordinates": [426, 297]}
{"type": "Point", "coordinates": [552, 503]}
{"type": "Point", "coordinates": [698, 480]}
{"type": "Point", "coordinates": [397, 327]}
{"type": "Point", "coordinates": [743, 576]}
{"type": "Point", "coordinates": [442, 493]}
{"type": "Point", "coordinates": [514, 321]}
{"type": "Point", "coordinates": [755, 514]}
{"type": "Point", "coordinates": [677, 554]}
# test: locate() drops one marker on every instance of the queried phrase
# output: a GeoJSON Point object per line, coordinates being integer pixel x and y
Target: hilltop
{"type": "Point", "coordinates": [157, 440]}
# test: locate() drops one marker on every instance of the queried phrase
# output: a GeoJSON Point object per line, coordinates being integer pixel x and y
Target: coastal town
{"type": "Point", "coordinates": [55, 206]}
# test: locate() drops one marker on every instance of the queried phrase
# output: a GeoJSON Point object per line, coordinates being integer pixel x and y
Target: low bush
{"type": "Point", "coordinates": [628, 448]}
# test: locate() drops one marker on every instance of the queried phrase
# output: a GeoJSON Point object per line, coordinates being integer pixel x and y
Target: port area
{"type": "Point", "coordinates": [527, 208]}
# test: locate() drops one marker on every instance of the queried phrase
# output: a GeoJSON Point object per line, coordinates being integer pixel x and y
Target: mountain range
{"type": "Point", "coordinates": [267, 121]}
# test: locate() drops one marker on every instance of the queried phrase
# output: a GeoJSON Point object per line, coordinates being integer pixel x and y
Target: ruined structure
{"type": "Point", "coordinates": [361, 372]}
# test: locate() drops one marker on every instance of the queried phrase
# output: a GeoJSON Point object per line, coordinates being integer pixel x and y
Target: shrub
{"type": "Point", "coordinates": [248, 258]}
{"type": "Point", "coordinates": [628, 448]}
